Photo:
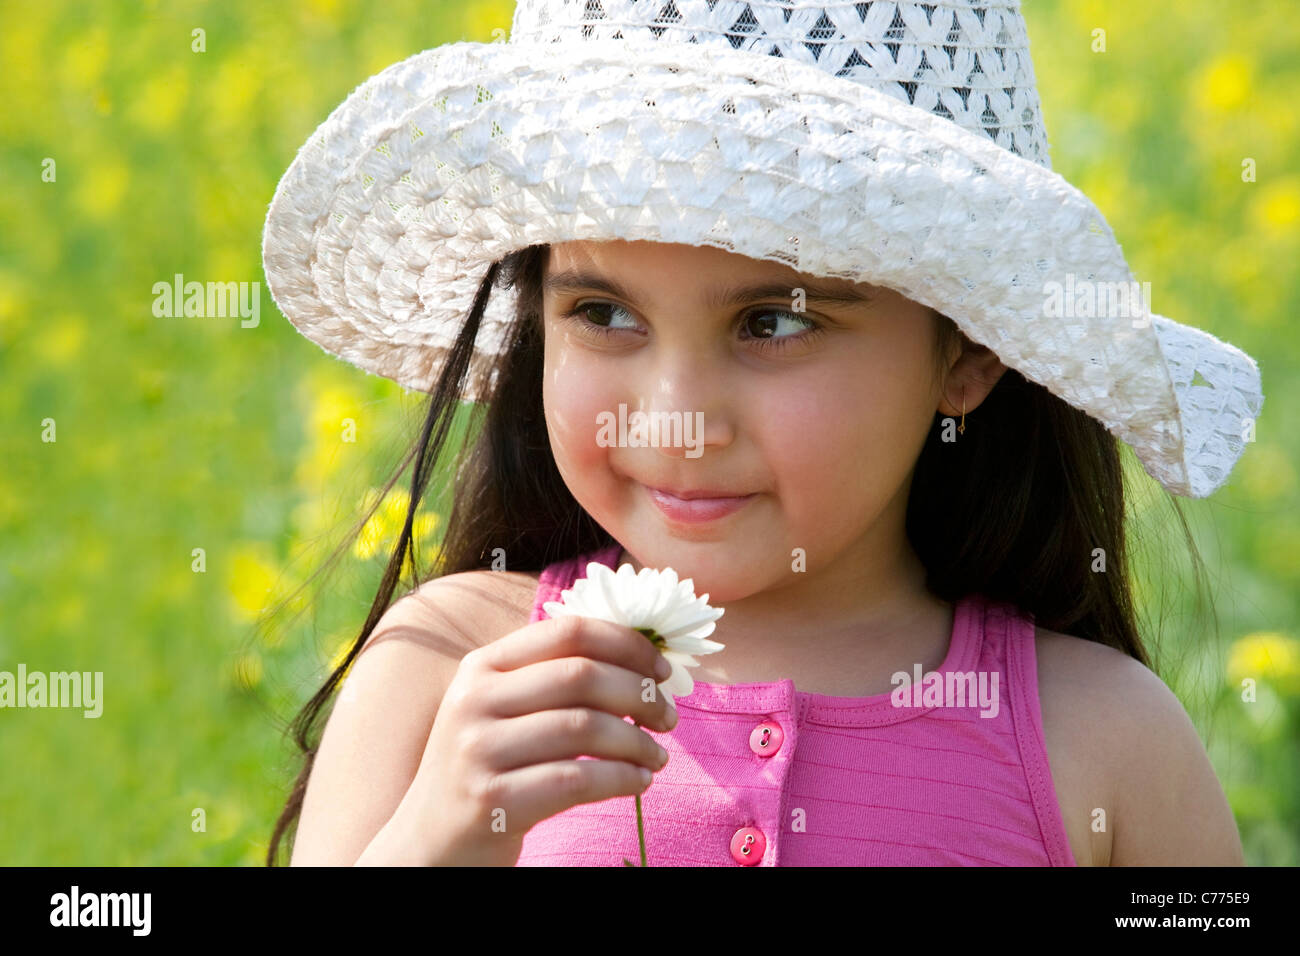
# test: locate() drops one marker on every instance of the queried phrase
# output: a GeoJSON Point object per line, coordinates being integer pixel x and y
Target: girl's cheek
{"type": "Point", "coordinates": [803, 440]}
{"type": "Point", "coordinates": [832, 444]}
{"type": "Point", "coordinates": [575, 390]}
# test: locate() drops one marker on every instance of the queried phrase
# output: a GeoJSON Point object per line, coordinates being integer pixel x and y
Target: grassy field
{"type": "Point", "coordinates": [199, 472]}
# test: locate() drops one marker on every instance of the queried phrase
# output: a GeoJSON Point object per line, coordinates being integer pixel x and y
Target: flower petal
{"type": "Point", "coordinates": [680, 683]}
{"type": "Point", "coordinates": [597, 596]}
{"type": "Point", "coordinates": [678, 659]}
{"type": "Point", "coordinates": [694, 645]}
{"type": "Point", "coordinates": [684, 626]}
{"type": "Point", "coordinates": [556, 609]}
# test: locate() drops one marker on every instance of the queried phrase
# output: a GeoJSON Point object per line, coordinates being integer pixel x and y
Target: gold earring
{"type": "Point", "coordinates": [962, 427]}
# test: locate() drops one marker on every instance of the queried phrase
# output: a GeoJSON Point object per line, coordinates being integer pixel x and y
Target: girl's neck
{"type": "Point", "coordinates": [840, 630]}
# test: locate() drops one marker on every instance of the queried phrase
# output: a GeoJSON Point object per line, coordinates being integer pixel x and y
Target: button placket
{"type": "Point", "coordinates": [749, 843]}
{"type": "Point", "coordinates": [766, 716]}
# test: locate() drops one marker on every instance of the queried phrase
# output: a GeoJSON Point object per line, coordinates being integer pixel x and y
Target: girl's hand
{"type": "Point", "coordinates": [502, 753]}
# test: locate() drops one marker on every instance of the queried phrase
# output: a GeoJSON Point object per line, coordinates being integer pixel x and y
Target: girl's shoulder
{"type": "Point", "coordinates": [454, 614]}
{"type": "Point", "coordinates": [1133, 779]}
{"type": "Point", "coordinates": [493, 602]}
{"type": "Point", "coordinates": [1081, 774]}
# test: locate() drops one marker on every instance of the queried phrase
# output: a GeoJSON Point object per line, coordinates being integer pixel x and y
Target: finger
{"type": "Point", "coordinates": [575, 682]}
{"type": "Point", "coordinates": [545, 789]}
{"type": "Point", "coordinates": [576, 636]}
{"type": "Point", "coordinates": [567, 733]}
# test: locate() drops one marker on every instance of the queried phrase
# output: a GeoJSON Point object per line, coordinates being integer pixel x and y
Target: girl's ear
{"type": "Point", "coordinates": [970, 379]}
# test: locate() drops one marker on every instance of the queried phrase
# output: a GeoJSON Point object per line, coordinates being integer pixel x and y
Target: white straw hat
{"type": "Point", "coordinates": [895, 143]}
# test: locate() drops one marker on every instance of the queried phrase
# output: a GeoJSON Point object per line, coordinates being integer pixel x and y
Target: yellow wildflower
{"type": "Point", "coordinates": [1265, 655]}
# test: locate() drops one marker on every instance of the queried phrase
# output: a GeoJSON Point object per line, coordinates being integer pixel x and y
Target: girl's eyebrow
{"type": "Point", "coordinates": [574, 280]}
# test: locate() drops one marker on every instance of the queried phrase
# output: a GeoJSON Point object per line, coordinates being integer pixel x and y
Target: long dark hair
{"type": "Point", "coordinates": [1015, 509]}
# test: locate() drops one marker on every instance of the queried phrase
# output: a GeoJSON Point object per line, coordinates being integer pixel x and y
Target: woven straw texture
{"type": "Point", "coordinates": [895, 143]}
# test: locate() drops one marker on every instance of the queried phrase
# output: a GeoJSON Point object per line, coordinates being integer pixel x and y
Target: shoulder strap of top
{"type": "Point", "coordinates": [1021, 663]}
{"type": "Point", "coordinates": [560, 575]}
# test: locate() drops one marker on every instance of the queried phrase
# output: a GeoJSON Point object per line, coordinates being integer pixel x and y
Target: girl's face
{"type": "Point", "coordinates": [819, 414]}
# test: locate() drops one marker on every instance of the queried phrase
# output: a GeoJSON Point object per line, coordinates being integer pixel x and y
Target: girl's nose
{"type": "Point", "coordinates": [685, 390]}
{"type": "Point", "coordinates": [689, 430]}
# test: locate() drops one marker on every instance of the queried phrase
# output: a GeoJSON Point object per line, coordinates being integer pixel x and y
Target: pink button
{"type": "Point", "coordinates": [766, 738]}
{"type": "Point", "coordinates": [747, 846]}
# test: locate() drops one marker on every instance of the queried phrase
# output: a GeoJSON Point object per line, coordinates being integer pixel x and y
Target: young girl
{"type": "Point", "coordinates": [830, 269]}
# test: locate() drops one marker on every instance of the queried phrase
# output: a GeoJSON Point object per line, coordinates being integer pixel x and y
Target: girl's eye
{"type": "Point", "coordinates": [763, 324]}
{"type": "Point", "coordinates": [760, 326]}
{"type": "Point", "coordinates": [579, 315]}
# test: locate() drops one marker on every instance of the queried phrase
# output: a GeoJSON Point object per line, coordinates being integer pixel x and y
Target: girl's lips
{"type": "Point", "coordinates": [695, 510]}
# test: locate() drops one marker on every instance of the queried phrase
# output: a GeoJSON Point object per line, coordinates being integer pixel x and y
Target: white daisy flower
{"type": "Point", "coordinates": [655, 603]}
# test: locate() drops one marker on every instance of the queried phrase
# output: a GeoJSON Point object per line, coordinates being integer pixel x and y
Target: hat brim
{"type": "Point", "coordinates": [386, 221]}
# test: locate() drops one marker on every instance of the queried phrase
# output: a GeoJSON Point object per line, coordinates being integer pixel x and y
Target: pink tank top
{"type": "Point", "coordinates": [766, 775]}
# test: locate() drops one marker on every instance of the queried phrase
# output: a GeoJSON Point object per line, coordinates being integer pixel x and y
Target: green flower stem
{"type": "Point", "coordinates": [640, 830]}
{"type": "Point", "coordinates": [658, 642]}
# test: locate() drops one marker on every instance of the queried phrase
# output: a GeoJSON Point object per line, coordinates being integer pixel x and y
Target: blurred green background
{"type": "Point", "coordinates": [177, 434]}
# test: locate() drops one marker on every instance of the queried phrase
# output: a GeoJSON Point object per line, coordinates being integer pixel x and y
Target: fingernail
{"type": "Point", "coordinates": [663, 670]}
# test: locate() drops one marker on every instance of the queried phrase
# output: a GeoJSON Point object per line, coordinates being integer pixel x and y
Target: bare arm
{"type": "Point", "coordinates": [1170, 809]}
{"type": "Point", "coordinates": [376, 735]}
